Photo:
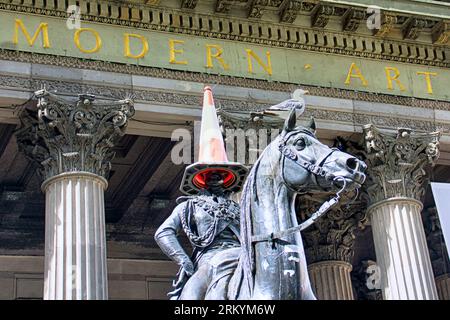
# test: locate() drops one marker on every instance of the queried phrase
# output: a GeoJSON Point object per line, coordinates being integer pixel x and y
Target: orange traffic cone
{"type": "Point", "coordinates": [212, 155]}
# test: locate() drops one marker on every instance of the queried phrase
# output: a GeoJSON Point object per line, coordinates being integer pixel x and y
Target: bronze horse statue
{"type": "Point", "coordinates": [268, 260]}
{"type": "Point", "coordinates": [272, 263]}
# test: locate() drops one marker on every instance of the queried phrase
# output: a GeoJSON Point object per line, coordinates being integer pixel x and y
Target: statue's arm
{"type": "Point", "coordinates": [166, 238]}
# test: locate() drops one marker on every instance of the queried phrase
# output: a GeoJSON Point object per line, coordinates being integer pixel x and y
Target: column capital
{"type": "Point", "coordinates": [332, 237]}
{"type": "Point", "coordinates": [64, 135]}
{"type": "Point", "coordinates": [397, 162]}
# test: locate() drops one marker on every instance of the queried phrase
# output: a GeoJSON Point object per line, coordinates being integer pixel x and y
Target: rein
{"type": "Point", "coordinates": [317, 171]}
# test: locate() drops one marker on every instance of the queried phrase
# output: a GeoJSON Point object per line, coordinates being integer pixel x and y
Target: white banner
{"type": "Point", "coordinates": [441, 193]}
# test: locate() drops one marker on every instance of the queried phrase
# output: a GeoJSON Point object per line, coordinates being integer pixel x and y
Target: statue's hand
{"type": "Point", "coordinates": [188, 267]}
{"type": "Point", "coordinates": [187, 270]}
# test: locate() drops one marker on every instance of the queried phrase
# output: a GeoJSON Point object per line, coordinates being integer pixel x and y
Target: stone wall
{"type": "Point", "coordinates": [21, 277]}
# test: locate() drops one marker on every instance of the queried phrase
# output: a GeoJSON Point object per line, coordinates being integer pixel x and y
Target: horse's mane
{"type": "Point", "coordinates": [241, 284]}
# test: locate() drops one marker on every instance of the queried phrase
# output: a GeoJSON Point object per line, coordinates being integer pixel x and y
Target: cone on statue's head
{"type": "Point", "coordinates": [212, 156]}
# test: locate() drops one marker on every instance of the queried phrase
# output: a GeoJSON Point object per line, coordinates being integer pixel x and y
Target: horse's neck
{"type": "Point", "coordinates": [276, 274]}
{"type": "Point", "coordinates": [274, 206]}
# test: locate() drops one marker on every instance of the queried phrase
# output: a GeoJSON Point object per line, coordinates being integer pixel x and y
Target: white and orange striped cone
{"type": "Point", "coordinates": [212, 155]}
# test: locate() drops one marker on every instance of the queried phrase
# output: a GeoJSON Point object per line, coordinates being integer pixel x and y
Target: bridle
{"type": "Point", "coordinates": [317, 171]}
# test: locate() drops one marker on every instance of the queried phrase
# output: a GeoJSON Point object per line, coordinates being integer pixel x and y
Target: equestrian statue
{"type": "Point", "coordinates": [255, 250]}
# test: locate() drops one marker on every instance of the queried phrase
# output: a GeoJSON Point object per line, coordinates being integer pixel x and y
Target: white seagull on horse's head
{"type": "Point", "coordinates": [296, 102]}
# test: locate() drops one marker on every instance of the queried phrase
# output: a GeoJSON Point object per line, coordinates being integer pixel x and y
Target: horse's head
{"type": "Point", "coordinates": [308, 165]}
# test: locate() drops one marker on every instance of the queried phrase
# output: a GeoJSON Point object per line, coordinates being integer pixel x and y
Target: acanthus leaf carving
{"type": "Point", "coordinates": [72, 136]}
{"type": "Point", "coordinates": [397, 162]}
{"type": "Point", "coordinates": [332, 237]}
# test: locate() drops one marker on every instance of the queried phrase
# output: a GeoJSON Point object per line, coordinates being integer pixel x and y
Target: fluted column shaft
{"type": "Point", "coordinates": [75, 241]}
{"type": "Point", "coordinates": [401, 250]}
{"type": "Point", "coordinates": [443, 286]}
{"type": "Point", "coordinates": [397, 167]}
{"type": "Point", "coordinates": [331, 280]}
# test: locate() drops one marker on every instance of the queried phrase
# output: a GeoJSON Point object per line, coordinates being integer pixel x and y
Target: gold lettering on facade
{"type": "Point", "coordinates": [98, 40]}
{"type": "Point", "coordinates": [355, 72]}
{"type": "Point", "coordinates": [393, 77]}
{"type": "Point", "coordinates": [43, 27]}
{"type": "Point", "coordinates": [428, 79]}
{"type": "Point", "coordinates": [173, 52]}
{"type": "Point", "coordinates": [267, 67]}
{"type": "Point", "coordinates": [126, 45]}
{"type": "Point", "coordinates": [216, 55]}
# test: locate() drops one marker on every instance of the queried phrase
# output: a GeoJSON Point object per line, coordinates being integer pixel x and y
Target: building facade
{"type": "Point", "coordinates": [94, 96]}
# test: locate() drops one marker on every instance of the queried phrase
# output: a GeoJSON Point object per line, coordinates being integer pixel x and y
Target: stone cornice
{"type": "Point", "coordinates": [356, 119]}
{"type": "Point", "coordinates": [317, 37]}
{"type": "Point", "coordinates": [71, 62]}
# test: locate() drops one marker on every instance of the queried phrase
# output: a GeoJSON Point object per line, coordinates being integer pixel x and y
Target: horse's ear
{"type": "Point", "coordinates": [290, 122]}
{"type": "Point", "coordinates": [312, 125]}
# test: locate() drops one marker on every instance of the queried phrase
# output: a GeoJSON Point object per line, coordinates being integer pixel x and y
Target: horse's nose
{"type": "Point", "coordinates": [356, 164]}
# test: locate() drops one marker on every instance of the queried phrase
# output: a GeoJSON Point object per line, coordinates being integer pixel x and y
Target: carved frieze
{"type": "Point", "coordinates": [67, 136]}
{"type": "Point", "coordinates": [436, 243]}
{"type": "Point", "coordinates": [112, 92]}
{"type": "Point", "coordinates": [397, 162]}
{"type": "Point", "coordinates": [413, 27]}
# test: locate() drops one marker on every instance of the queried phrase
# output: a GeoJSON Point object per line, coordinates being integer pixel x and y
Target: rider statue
{"type": "Point", "coordinates": [208, 217]}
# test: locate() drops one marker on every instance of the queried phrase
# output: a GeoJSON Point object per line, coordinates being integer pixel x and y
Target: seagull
{"type": "Point", "coordinates": [296, 102]}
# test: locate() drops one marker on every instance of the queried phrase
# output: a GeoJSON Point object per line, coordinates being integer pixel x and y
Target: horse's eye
{"type": "Point", "coordinates": [300, 144]}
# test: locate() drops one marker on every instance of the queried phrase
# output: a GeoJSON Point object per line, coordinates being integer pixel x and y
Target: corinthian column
{"type": "Point", "coordinates": [329, 248]}
{"type": "Point", "coordinates": [71, 143]}
{"type": "Point", "coordinates": [397, 164]}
